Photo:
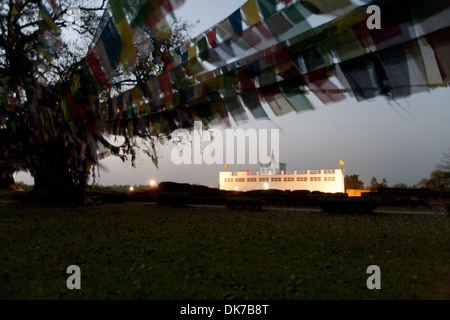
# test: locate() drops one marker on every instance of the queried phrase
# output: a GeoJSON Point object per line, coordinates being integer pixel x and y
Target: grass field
{"type": "Point", "coordinates": [142, 251]}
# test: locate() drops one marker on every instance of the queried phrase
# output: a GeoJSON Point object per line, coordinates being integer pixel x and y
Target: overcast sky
{"type": "Point", "coordinates": [401, 141]}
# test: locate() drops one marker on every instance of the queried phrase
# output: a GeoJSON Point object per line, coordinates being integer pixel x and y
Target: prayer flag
{"type": "Point", "coordinates": [267, 7]}
{"type": "Point", "coordinates": [251, 13]}
{"type": "Point", "coordinates": [236, 21]}
{"type": "Point", "coordinates": [325, 6]}
{"type": "Point", "coordinates": [212, 37]}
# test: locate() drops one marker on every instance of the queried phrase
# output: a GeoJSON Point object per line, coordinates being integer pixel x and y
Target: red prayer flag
{"type": "Point", "coordinates": [212, 38]}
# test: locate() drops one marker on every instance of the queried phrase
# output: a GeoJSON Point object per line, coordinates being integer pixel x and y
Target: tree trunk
{"type": "Point", "coordinates": [54, 183]}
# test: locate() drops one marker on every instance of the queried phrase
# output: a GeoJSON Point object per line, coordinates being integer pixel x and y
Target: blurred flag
{"type": "Point", "coordinates": [225, 165]}
{"type": "Point", "coordinates": [341, 162]}
{"type": "Point", "coordinates": [249, 171]}
{"type": "Point", "coordinates": [343, 170]}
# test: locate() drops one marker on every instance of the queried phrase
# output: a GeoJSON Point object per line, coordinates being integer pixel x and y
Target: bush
{"type": "Point", "coordinates": [245, 203]}
{"type": "Point", "coordinates": [348, 205]}
{"type": "Point", "coordinates": [172, 199]}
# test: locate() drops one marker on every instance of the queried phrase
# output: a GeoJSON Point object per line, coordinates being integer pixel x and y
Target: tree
{"type": "Point", "coordinates": [353, 182]}
{"type": "Point", "coordinates": [445, 162]}
{"type": "Point", "coordinates": [46, 126]}
{"type": "Point", "coordinates": [32, 87]}
{"type": "Point", "coordinates": [373, 183]}
{"type": "Point", "coordinates": [439, 179]}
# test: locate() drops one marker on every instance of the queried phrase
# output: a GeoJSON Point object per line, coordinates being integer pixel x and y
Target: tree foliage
{"type": "Point", "coordinates": [374, 184]}
{"type": "Point", "coordinates": [40, 58]}
{"type": "Point", "coordinates": [353, 182]}
{"type": "Point", "coordinates": [439, 179]}
{"type": "Point", "coordinates": [33, 86]}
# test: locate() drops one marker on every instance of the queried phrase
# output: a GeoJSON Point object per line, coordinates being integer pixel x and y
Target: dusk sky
{"type": "Point", "coordinates": [401, 140]}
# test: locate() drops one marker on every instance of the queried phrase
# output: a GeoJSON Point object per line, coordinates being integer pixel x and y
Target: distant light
{"type": "Point", "coordinates": [152, 182]}
{"type": "Point", "coordinates": [236, 188]}
{"type": "Point", "coordinates": [131, 188]}
{"type": "Point", "coordinates": [266, 186]}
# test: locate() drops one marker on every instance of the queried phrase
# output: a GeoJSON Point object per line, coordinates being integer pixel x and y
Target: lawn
{"type": "Point", "coordinates": [143, 251]}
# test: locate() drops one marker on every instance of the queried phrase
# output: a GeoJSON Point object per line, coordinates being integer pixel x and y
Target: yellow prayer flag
{"type": "Point", "coordinates": [192, 52]}
{"type": "Point", "coordinates": [341, 162]}
{"type": "Point", "coordinates": [130, 128]}
{"type": "Point", "coordinates": [45, 54]}
{"type": "Point", "coordinates": [48, 20]}
{"type": "Point", "coordinates": [251, 13]}
{"type": "Point", "coordinates": [349, 20]}
{"type": "Point", "coordinates": [138, 99]}
{"type": "Point", "coordinates": [279, 105]}
{"type": "Point", "coordinates": [77, 82]}
{"type": "Point", "coordinates": [126, 37]}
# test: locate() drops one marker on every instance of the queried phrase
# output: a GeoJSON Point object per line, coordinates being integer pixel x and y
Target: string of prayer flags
{"type": "Point", "coordinates": [265, 55]}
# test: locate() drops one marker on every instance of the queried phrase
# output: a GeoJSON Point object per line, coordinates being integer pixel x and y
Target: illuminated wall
{"type": "Point", "coordinates": [328, 181]}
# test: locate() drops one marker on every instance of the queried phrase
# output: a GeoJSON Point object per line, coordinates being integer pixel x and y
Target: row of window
{"type": "Point", "coordinates": [286, 179]}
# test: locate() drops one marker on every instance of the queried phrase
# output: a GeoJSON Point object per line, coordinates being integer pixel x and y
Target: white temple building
{"type": "Point", "coordinates": [275, 176]}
